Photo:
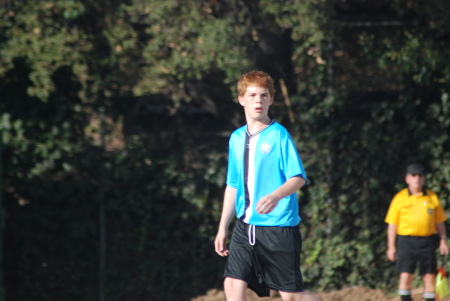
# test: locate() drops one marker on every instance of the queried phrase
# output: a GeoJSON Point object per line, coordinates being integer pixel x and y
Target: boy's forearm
{"type": "Point", "coordinates": [289, 187]}
{"type": "Point", "coordinates": [228, 207]}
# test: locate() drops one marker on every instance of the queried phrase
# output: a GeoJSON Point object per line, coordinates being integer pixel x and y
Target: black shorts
{"type": "Point", "coordinates": [415, 249]}
{"type": "Point", "coordinates": [273, 262]}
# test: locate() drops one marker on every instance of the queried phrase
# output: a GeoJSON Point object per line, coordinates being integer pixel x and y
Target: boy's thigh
{"type": "Point", "coordinates": [242, 264]}
{"type": "Point", "coordinates": [278, 250]}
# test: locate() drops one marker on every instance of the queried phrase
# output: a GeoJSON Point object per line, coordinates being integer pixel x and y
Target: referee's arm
{"type": "Point", "coordinates": [442, 232]}
{"type": "Point", "coordinates": [391, 237]}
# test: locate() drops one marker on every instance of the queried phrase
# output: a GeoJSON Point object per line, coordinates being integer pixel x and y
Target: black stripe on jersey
{"type": "Point", "coordinates": [246, 155]}
{"type": "Point", "coordinates": [248, 136]}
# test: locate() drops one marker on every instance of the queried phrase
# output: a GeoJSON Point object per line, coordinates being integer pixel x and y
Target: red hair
{"type": "Point", "coordinates": [256, 78]}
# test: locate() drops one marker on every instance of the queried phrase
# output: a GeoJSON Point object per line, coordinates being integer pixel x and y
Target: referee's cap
{"type": "Point", "coordinates": [415, 169]}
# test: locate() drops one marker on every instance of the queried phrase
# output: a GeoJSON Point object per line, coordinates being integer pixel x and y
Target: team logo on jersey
{"type": "Point", "coordinates": [265, 147]}
{"type": "Point", "coordinates": [430, 211]}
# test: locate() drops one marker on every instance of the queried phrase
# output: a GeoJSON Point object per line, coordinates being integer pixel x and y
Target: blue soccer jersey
{"type": "Point", "coordinates": [258, 165]}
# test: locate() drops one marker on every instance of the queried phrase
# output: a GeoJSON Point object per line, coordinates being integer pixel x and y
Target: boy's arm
{"type": "Point", "coordinates": [267, 203]}
{"type": "Point", "coordinates": [443, 246]}
{"type": "Point", "coordinates": [228, 211]}
{"type": "Point", "coordinates": [391, 237]}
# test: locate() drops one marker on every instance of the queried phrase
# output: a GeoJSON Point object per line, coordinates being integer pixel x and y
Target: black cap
{"type": "Point", "coordinates": [415, 169]}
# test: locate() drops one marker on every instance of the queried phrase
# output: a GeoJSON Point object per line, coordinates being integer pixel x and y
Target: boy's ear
{"type": "Point", "coordinates": [241, 100]}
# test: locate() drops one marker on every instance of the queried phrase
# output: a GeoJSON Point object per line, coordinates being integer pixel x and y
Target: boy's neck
{"type": "Point", "coordinates": [256, 125]}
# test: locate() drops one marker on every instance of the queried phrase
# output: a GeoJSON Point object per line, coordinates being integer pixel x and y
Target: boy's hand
{"type": "Point", "coordinates": [221, 243]}
{"type": "Point", "coordinates": [266, 204]}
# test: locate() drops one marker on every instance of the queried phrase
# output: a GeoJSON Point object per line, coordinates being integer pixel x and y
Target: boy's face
{"type": "Point", "coordinates": [415, 182]}
{"type": "Point", "coordinates": [256, 102]}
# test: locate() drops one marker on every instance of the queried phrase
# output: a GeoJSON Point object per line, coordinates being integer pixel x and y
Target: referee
{"type": "Point", "coordinates": [415, 229]}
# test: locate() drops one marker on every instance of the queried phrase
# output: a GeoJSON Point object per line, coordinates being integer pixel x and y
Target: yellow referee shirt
{"type": "Point", "coordinates": [415, 215]}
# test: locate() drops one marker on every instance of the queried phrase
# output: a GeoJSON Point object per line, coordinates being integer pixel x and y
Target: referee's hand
{"type": "Point", "coordinates": [391, 254]}
{"type": "Point", "coordinates": [443, 247]}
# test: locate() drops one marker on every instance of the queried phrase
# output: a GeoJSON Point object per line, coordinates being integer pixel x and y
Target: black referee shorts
{"type": "Point", "coordinates": [416, 249]}
{"type": "Point", "coordinates": [272, 262]}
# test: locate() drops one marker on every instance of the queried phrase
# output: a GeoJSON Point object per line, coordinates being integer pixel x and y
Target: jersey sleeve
{"type": "Point", "coordinates": [291, 163]}
{"type": "Point", "coordinates": [440, 214]}
{"type": "Point", "coordinates": [232, 175]}
{"type": "Point", "coordinates": [392, 216]}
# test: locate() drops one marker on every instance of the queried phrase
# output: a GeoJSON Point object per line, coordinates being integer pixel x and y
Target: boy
{"type": "Point", "coordinates": [264, 173]}
{"type": "Point", "coordinates": [414, 216]}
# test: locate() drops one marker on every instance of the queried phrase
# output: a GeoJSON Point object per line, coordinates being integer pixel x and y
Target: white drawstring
{"type": "Point", "coordinates": [251, 236]}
